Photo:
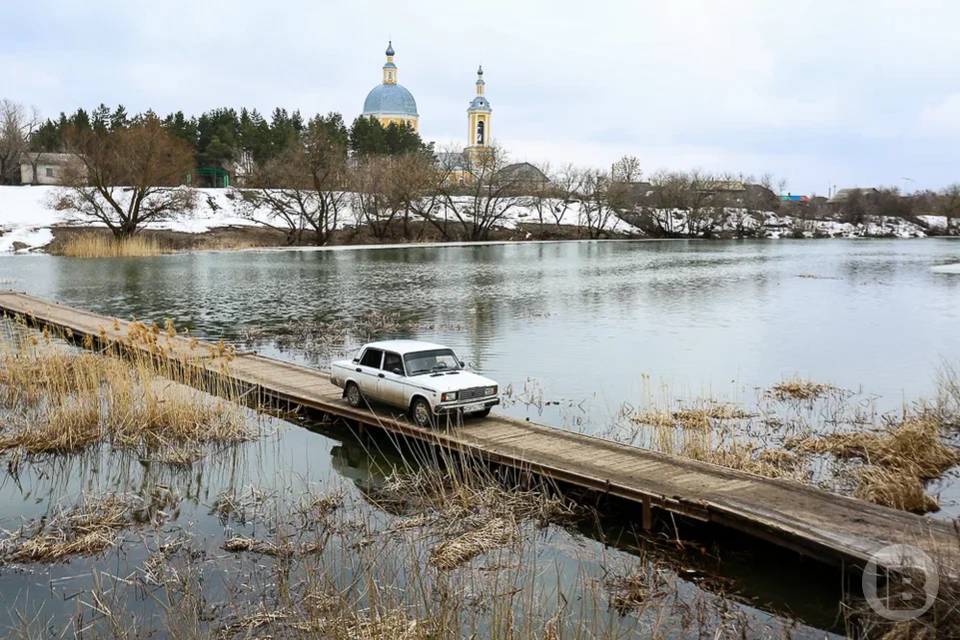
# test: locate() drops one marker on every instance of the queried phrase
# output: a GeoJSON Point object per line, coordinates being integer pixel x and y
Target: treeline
{"type": "Point", "coordinates": [221, 137]}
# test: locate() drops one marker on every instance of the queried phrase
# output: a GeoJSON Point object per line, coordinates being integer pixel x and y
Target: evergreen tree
{"type": "Point", "coordinates": [80, 120]}
{"type": "Point", "coordinates": [370, 138]}
{"type": "Point", "coordinates": [48, 137]}
{"type": "Point", "coordinates": [367, 137]}
{"type": "Point", "coordinates": [100, 118]}
{"type": "Point", "coordinates": [119, 118]}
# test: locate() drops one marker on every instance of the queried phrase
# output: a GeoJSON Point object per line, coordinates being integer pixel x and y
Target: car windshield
{"type": "Point", "coordinates": [430, 361]}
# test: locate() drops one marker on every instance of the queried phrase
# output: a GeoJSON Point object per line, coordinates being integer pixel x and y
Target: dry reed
{"type": "Point", "coordinates": [95, 245]}
{"type": "Point", "coordinates": [699, 417]}
{"type": "Point", "coordinates": [59, 400]}
{"type": "Point", "coordinates": [897, 461]}
{"type": "Point", "coordinates": [798, 389]}
{"type": "Point", "coordinates": [459, 550]}
{"type": "Point", "coordinates": [913, 445]}
{"type": "Point", "coordinates": [86, 529]}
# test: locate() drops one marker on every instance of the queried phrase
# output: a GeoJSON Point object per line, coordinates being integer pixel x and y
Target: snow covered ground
{"type": "Point", "coordinates": [27, 215]}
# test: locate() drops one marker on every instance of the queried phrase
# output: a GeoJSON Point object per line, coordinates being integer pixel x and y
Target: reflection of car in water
{"type": "Point", "coordinates": [369, 471]}
{"type": "Point", "coordinates": [420, 377]}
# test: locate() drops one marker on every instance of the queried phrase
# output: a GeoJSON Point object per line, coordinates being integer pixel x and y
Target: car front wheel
{"type": "Point", "coordinates": [483, 413]}
{"type": "Point", "coordinates": [421, 413]}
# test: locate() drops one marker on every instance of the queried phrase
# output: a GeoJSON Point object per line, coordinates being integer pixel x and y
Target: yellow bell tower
{"type": "Point", "coordinates": [478, 123]}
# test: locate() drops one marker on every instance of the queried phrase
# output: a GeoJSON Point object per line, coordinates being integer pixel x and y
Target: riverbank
{"type": "Point", "coordinates": [29, 222]}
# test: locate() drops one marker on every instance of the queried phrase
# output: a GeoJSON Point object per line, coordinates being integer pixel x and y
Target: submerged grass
{"type": "Point", "coordinates": [88, 528]}
{"type": "Point", "coordinates": [799, 389]}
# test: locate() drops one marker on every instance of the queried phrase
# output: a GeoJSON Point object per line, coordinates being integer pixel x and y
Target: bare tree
{"type": "Point", "coordinates": [602, 201]}
{"type": "Point", "coordinates": [686, 204]}
{"type": "Point", "coordinates": [486, 196]}
{"type": "Point", "coordinates": [415, 187]}
{"type": "Point", "coordinates": [16, 125]}
{"type": "Point", "coordinates": [626, 169]}
{"type": "Point", "coordinates": [949, 204]}
{"type": "Point", "coordinates": [374, 193]}
{"type": "Point", "coordinates": [567, 185]}
{"type": "Point", "coordinates": [127, 177]}
{"type": "Point", "coordinates": [542, 196]}
{"type": "Point", "coordinates": [302, 190]}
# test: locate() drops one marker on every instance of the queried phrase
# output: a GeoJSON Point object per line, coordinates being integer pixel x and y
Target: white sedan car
{"type": "Point", "coordinates": [425, 379]}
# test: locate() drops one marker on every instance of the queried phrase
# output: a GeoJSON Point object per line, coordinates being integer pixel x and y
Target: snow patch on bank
{"type": "Point", "coordinates": [947, 268]}
{"type": "Point", "coordinates": [27, 216]}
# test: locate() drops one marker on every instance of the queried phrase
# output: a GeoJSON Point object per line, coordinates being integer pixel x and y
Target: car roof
{"type": "Point", "coordinates": [404, 346]}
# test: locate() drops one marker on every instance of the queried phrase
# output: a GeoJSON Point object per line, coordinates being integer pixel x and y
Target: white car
{"type": "Point", "coordinates": [425, 379]}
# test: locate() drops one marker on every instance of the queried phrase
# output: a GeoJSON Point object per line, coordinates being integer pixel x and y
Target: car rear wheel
{"type": "Point", "coordinates": [354, 397]}
{"type": "Point", "coordinates": [421, 413]}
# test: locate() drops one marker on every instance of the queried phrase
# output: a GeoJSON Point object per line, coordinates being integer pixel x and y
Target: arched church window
{"type": "Point", "coordinates": [480, 126]}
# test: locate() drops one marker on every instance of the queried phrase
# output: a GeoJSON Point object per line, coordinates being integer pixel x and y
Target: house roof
{"type": "Point", "coordinates": [843, 194]}
{"type": "Point", "coordinates": [522, 172]}
{"type": "Point", "coordinates": [47, 158]}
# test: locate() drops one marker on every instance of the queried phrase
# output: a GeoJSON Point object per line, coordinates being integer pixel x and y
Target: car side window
{"type": "Point", "coordinates": [372, 358]}
{"type": "Point", "coordinates": [392, 361]}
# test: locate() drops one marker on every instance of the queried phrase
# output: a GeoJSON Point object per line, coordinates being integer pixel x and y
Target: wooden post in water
{"type": "Point", "coordinates": [646, 514]}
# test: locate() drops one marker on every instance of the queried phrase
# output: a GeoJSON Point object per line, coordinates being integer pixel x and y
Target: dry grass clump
{"type": "Point", "coordinates": [897, 461]}
{"type": "Point", "coordinates": [752, 458]}
{"type": "Point", "coordinates": [894, 489]}
{"type": "Point", "coordinates": [332, 620]}
{"type": "Point", "coordinates": [637, 589]}
{"type": "Point", "coordinates": [241, 544]}
{"type": "Point", "coordinates": [691, 418]}
{"type": "Point", "coordinates": [459, 550]}
{"type": "Point", "coordinates": [913, 445]}
{"type": "Point", "coordinates": [469, 516]}
{"type": "Point", "coordinates": [86, 529]}
{"type": "Point", "coordinates": [798, 389]}
{"type": "Point", "coordinates": [95, 245]}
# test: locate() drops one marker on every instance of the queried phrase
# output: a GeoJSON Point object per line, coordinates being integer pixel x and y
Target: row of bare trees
{"type": "Point", "coordinates": [126, 177]}
{"type": "Point", "coordinates": [306, 192]}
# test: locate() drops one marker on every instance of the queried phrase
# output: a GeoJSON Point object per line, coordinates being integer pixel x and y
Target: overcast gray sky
{"type": "Point", "coordinates": [818, 93]}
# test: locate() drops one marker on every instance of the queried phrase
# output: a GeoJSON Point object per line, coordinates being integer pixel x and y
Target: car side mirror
{"type": "Point", "coordinates": [463, 365]}
{"type": "Point", "coordinates": [398, 371]}
{"type": "Point", "coordinates": [356, 360]}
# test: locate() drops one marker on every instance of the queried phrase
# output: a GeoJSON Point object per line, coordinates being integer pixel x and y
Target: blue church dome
{"type": "Point", "coordinates": [390, 99]}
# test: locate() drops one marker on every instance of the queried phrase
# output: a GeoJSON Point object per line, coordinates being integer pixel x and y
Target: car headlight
{"type": "Point", "coordinates": [490, 391]}
{"type": "Point", "coordinates": [447, 397]}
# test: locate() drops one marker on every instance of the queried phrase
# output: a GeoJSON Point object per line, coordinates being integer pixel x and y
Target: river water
{"type": "Point", "coordinates": [586, 322]}
{"type": "Point", "coordinates": [573, 331]}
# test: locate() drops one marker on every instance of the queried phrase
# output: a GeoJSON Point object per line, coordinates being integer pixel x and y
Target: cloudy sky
{"type": "Point", "coordinates": [817, 93]}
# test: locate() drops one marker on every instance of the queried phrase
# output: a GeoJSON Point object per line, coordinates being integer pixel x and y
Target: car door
{"type": "Point", "coordinates": [392, 385]}
{"type": "Point", "coordinates": [369, 373]}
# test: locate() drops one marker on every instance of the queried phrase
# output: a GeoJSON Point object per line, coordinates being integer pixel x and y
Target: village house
{"type": "Point", "coordinates": [45, 168]}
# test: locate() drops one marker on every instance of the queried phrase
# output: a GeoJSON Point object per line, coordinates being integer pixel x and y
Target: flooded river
{"type": "Point", "coordinates": [573, 331]}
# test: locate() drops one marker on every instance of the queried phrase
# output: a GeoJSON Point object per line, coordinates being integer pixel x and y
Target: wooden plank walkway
{"type": "Point", "coordinates": [828, 526]}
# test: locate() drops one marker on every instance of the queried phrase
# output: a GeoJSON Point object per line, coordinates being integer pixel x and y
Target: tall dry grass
{"type": "Point", "coordinates": [57, 399]}
{"type": "Point", "coordinates": [95, 245]}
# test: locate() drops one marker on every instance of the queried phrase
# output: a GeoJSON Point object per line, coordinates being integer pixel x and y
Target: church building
{"type": "Point", "coordinates": [391, 103]}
